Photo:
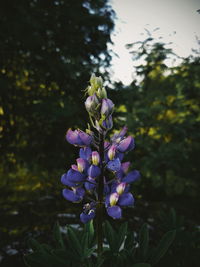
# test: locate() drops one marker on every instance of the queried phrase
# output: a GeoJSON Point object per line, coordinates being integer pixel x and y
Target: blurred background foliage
{"type": "Point", "coordinates": [48, 51]}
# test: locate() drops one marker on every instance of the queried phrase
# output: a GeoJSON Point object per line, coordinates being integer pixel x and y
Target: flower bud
{"type": "Point", "coordinates": [99, 82]}
{"type": "Point", "coordinates": [96, 82]}
{"type": "Point", "coordinates": [112, 152]}
{"type": "Point", "coordinates": [120, 188]}
{"type": "Point", "coordinates": [95, 158]}
{"type": "Point", "coordinates": [101, 93]}
{"type": "Point", "coordinates": [107, 124]}
{"type": "Point", "coordinates": [91, 103]}
{"type": "Point", "coordinates": [92, 79]}
{"type": "Point", "coordinates": [113, 199]}
{"type": "Point", "coordinates": [107, 107]}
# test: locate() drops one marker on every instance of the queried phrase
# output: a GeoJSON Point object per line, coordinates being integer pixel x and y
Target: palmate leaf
{"type": "Point", "coordinates": [162, 247]}
{"type": "Point", "coordinates": [110, 235]}
{"type": "Point", "coordinates": [120, 236]}
{"type": "Point", "coordinates": [89, 228]}
{"type": "Point", "coordinates": [143, 242]}
{"type": "Point", "coordinates": [115, 239]}
{"type": "Point", "coordinates": [142, 265]}
{"type": "Point", "coordinates": [58, 236]}
{"type": "Point", "coordinates": [34, 244]}
{"type": "Point", "coordinates": [74, 242]}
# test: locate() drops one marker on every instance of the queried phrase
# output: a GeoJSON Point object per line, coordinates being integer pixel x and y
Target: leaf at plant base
{"type": "Point", "coordinates": [89, 228]}
{"type": "Point", "coordinates": [84, 243]}
{"type": "Point", "coordinates": [129, 242]}
{"type": "Point", "coordinates": [58, 236]}
{"type": "Point", "coordinates": [32, 243]}
{"type": "Point", "coordinates": [110, 235]}
{"type": "Point", "coordinates": [142, 265]}
{"type": "Point", "coordinates": [121, 236]}
{"type": "Point", "coordinates": [74, 242]}
{"type": "Point", "coordinates": [163, 246]}
{"type": "Point", "coordinates": [143, 242]}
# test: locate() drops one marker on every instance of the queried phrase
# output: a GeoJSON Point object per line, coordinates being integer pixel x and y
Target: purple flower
{"type": "Point", "coordinates": [115, 212]}
{"type": "Point", "coordinates": [119, 136]}
{"type": "Point", "coordinates": [115, 201]}
{"type": "Point", "coordinates": [107, 124]}
{"type": "Point", "coordinates": [85, 153]}
{"type": "Point", "coordinates": [88, 212]}
{"type": "Point", "coordinates": [114, 165]}
{"type": "Point", "coordinates": [94, 171]}
{"type": "Point", "coordinates": [131, 177]}
{"type": "Point", "coordinates": [107, 107]}
{"type": "Point", "coordinates": [86, 217]}
{"type": "Point", "coordinates": [123, 170]}
{"type": "Point", "coordinates": [72, 178]}
{"type": "Point", "coordinates": [74, 195]}
{"type": "Point", "coordinates": [78, 138]}
{"type": "Point", "coordinates": [126, 144]}
{"type": "Point", "coordinates": [90, 184]}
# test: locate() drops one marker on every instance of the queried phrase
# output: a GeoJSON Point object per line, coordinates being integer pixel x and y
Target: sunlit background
{"type": "Point", "coordinates": [176, 22]}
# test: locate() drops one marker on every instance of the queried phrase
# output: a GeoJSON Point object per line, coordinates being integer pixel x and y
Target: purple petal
{"type": "Point", "coordinates": [131, 177]}
{"type": "Point", "coordinates": [72, 196]}
{"type": "Point", "coordinates": [125, 166]}
{"type": "Point", "coordinates": [120, 156]}
{"type": "Point", "coordinates": [85, 153]}
{"type": "Point", "coordinates": [65, 181]}
{"type": "Point", "coordinates": [75, 176]}
{"type": "Point", "coordinates": [94, 171]}
{"type": "Point", "coordinates": [90, 184]}
{"type": "Point", "coordinates": [106, 107]}
{"type": "Point", "coordinates": [126, 199]}
{"type": "Point", "coordinates": [72, 137]}
{"type": "Point", "coordinates": [126, 144]}
{"type": "Point", "coordinates": [85, 138]}
{"type": "Point", "coordinates": [84, 217]}
{"type": "Point", "coordinates": [115, 212]}
{"type": "Point", "coordinates": [107, 123]}
{"type": "Point", "coordinates": [114, 165]}
{"type": "Point", "coordinates": [119, 135]}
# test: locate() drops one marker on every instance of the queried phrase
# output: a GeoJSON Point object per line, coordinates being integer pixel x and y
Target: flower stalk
{"type": "Point", "coordinates": [99, 219]}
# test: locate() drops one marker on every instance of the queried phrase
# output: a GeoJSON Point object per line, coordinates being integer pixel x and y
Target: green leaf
{"type": "Point", "coordinates": [84, 244]}
{"type": "Point", "coordinates": [89, 228]}
{"type": "Point", "coordinates": [142, 265]}
{"type": "Point", "coordinates": [143, 242]}
{"type": "Point", "coordinates": [129, 242]}
{"type": "Point", "coordinates": [74, 242]}
{"type": "Point", "coordinates": [120, 236]}
{"type": "Point", "coordinates": [32, 243]}
{"type": "Point", "coordinates": [58, 236]}
{"type": "Point", "coordinates": [110, 235]}
{"type": "Point", "coordinates": [163, 246]}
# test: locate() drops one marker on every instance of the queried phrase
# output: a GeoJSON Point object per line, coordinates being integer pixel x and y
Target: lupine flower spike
{"type": "Point", "coordinates": [99, 172]}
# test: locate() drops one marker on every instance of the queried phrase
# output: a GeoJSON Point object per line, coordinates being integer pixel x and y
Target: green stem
{"type": "Point", "coordinates": [100, 198]}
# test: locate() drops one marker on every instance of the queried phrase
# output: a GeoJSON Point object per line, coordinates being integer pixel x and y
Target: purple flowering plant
{"type": "Point", "coordinates": [100, 178]}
